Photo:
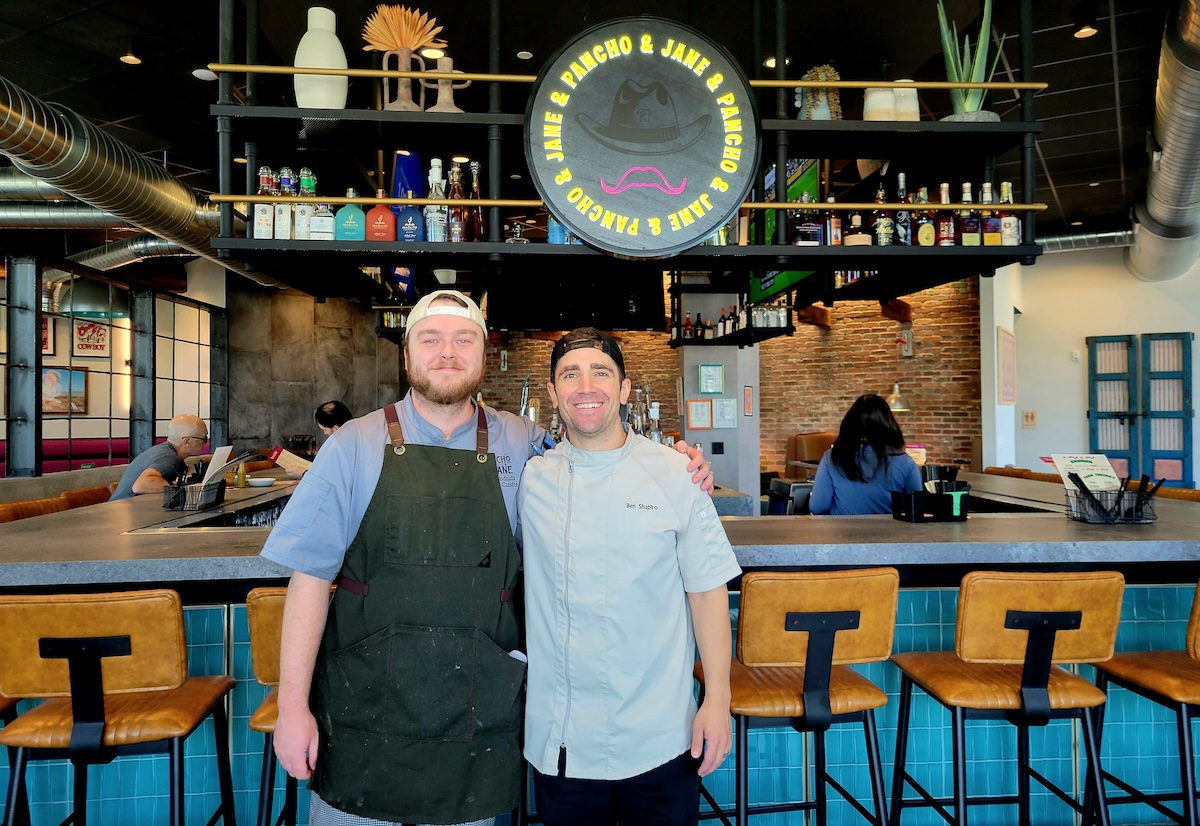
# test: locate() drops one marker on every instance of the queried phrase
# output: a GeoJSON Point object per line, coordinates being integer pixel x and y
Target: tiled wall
{"type": "Point", "coordinates": [1139, 738]}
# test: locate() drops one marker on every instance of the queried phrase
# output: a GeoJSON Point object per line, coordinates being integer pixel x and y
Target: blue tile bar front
{"type": "Point", "coordinates": [214, 571]}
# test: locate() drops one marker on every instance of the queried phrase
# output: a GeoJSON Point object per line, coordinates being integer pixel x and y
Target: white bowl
{"type": "Point", "coordinates": [260, 483]}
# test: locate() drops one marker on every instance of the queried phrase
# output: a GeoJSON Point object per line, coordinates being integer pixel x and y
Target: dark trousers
{"type": "Point", "coordinates": [666, 796]}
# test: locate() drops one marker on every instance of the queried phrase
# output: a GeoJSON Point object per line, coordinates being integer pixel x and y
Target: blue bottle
{"type": "Point", "coordinates": [410, 223]}
{"type": "Point", "coordinates": [350, 224]}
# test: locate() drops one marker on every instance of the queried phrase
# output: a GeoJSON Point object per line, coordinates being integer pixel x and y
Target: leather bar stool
{"type": "Point", "coordinates": [114, 667]}
{"type": "Point", "coordinates": [1011, 630]}
{"type": "Point", "coordinates": [798, 632]}
{"type": "Point", "coordinates": [1171, 679]}
{"type": "Point", "coordinates": [8, 713]}
{"type": "Point", "coordinates": [264, 612]}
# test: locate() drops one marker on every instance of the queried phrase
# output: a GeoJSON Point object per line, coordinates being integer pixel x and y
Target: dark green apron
{"type": "Point", "coordinates": [418, 702]}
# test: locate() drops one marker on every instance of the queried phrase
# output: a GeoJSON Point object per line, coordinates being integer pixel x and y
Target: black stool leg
{"type": "Point", "coordinates": [742, 771]}
{"type": "Point", "coordinates": [1089, 793]}
{"type": "Point", "coordinates": [901, 748]}
{"type": "Point", "coordinates": [959, 754]}
{"type": "Point", "coordinates": [289, 801]}
{"type": "Point", "coordinates": [80, 778]}
{"type": "Point", "coordinates": [266, 786]}
{"type": "Point", "coordinates": [176, 771]}
{"type": "Point", "coordinates": [875, 766]}
{"type": "Point", "coordinates": [1023, 775]}
{"type": "Point", "coordinates": [1187, 763]}
{"type": "Point", "coordinates": [17, 760]}
{"type": "Point", "coordinates": [224, 772]}
{"type": "Point", "coordinates": [1091, 746]}
{"type": "Point", "coordinates": [820, 774]}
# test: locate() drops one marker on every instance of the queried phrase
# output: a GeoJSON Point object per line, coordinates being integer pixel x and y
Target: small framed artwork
{"type": "Point", "coordinates": [747, 400]}
{"type": "Point", "coordinates": [712, 379]}
{"type": "Point", "coordinates": [699, 414]}
{"type": "Point", "coordinates": [724, 414]}
{"type": "Point", "coordinates": [64, 390]}
{"type": "Point", "coordinates": [90, 338]}
{"type": "Point", "coordinates": [48, 331]}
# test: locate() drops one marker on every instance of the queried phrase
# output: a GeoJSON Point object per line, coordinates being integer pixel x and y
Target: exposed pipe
{"type": "Point", "coordinates": [1078, 242]}
{"type": "Point", "coordinates": [55, 145]}
{"type": "Point", "coordinates": [57, 215]}
{"type": "Point", "coordinates": [129, 251]}
{"type": "Point", "coordinates": [15, 185]}
{"type": "Point", "coordinates": [1167, 224]}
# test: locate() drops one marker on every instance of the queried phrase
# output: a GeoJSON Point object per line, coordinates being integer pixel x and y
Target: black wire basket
{"type": "Point", "coordinates": [1110, 507]}
{"type": "Point", "coordinates": [195, 497]}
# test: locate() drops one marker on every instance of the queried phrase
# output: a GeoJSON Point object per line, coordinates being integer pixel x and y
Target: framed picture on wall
{"type": "Point", "coordinates": [90, 338]}
{"type": "Point", "coordinates": [699, 414]}
{"type": "Point", "coordinates": [64, 390]}
{"type": "Point", "coordinates": [712, 379]}
{"type": "Point", "coordinates": [48, 330]}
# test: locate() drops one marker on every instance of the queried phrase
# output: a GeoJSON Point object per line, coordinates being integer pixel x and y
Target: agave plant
{"type": "Point", "coordinates": [396, 27]}
{"type": "Point", "coordinates": [965, 66]}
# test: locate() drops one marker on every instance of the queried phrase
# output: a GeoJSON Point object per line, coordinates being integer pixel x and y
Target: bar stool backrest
{"type": "Point", "coordinates": [1193, 628]}
{"type": "Point", "coordinates": [769, 596]}
{"type": "Point", "coordinates": [153, 621]}
{"type": "Point", "coordinates": [986, 597]}
{"type": "Point", "coordinates": [264, 613]}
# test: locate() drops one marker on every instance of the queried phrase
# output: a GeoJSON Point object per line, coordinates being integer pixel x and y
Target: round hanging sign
{"type": "Point", "coordinates": [642, 136]}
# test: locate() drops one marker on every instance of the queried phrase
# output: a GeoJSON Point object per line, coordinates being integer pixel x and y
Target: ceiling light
{"type": "Point", "coordinates": [460, 159]}
{"type": "Point", "coordinates": [524, 54]}
{"type": "Point", "coordinates": [1085, 20]}
{"type": "Point", "coordinates": [770, 62]}
{"type": "Point", "coordinates": [432, 53]}
{"type": "Point", "coordinates": [896, 402]}
{"type": "Point", "coordinates": [128, 57]}
{"type": "Point", "coordinates": [85, 298]}
{"type": "Point", "coordinates": [204, 73]}
{"type": "Point", "coordinates": [240, 159]}
{"type": "Point", "coordinates": [1078, 222]}
{"type": "Point", "coordinates": [516, 176]}
{"type": "Point", "coordinates": [1094, 183]}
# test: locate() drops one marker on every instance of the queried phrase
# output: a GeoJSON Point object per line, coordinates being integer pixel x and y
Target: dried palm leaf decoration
{"type": "Point", "coordinates": [398, 27]}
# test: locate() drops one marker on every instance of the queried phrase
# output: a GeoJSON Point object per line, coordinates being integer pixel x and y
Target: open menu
{"type": "Point", "coordinates": [287, 460]}
{"type": "Point", "coordinates": [221, 463]}
{"type": "Point", "coordinates": [1093, 468]}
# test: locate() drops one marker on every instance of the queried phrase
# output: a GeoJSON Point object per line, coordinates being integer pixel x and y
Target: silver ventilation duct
{"type": "Point", "coordinates": [56, 145]}
{"type": "Point", "coordinates": [1167, 226]}
{"type": "Point", "coordinates": [129, 251]}
{"type": "Point", "coordinates": [1081, 241]}
{"type": "Point", "coordinates": [15, 185]}
{"type": "Point", "coordinates": [59, 215]}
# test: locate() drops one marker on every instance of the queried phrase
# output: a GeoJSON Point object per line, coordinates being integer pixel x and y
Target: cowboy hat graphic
{"type": "Point", "coordinates": [643, 121]}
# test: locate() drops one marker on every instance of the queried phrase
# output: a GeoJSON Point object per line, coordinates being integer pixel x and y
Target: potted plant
{"type": "Point", "coordinates": [967, 66]}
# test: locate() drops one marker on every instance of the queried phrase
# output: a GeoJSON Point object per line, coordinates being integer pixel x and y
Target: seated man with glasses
{"type": "Point", "coordinates": [187, 436]}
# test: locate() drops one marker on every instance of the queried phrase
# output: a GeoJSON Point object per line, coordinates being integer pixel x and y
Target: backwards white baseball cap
{"type": "Point", "coordinates": [467, 309]}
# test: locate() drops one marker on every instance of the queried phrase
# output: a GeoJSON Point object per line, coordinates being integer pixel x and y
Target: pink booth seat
{"type": "Point", "coordinates": [89, 452]}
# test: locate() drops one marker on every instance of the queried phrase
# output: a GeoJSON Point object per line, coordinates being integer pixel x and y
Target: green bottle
{"type": "Point", "coordinates": [350, 223]}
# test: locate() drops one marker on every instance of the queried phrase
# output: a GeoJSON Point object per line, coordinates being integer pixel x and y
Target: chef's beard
{"type": "Point", "coordinates": [443, 393]}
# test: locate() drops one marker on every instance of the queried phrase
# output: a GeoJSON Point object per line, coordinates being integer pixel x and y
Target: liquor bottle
{"type": "Point", "coordinates": [303, 213]}
{"type": "Point", "coordinates": [456, 216]}
{"type": "Point", "coordinates": [381, 221]}
{"type": "Point", "coordinates": [989, 219]}
{"type": "Point", "coordinates": [904, 228]}
{"type": "Point", "coordinates": [654, 425]}
{"type": "Point", "coordinates": [710, 331]}
{"type": "Point", "coordinates": [856, 233]}
{"type": "Point", "coordinates": [350, 223]}
{"type": "Point", "coordinates": [478, 228]}
{"type": "Point", "coordinates": [831, 231]}
{"type": "Point", "coordinates": [283, 212]}
{"type": "Point", "coordinates": [925, 230]}
{"type": "Point", "coordinates": [968, 221]}
{"type": "Point", "coordinates": [1010, 224]}
{"type": "Point", "coordinates": [637, 413]}
{"type": "Point", "coordinates": [883, 224]}
{"type": "Point", "coordinates": [322, 224]}
{"type": "Point", "coordinates": [410, 224]}
{"type": "Point", "coordinates": [264, 214]}
{"type": "Point", "coordinates": [435, 216]}
{"type": "Point", "coordinates": [807, 229]}
{"type": "Point", "coordinates": [743, 315]}
{"type": "Point", "coordinates": [700, 325]}
{"type": "Point", "coordinates": [721, 325]}
{"type": "Point", "coordinates": [689, 330]}
{"type": "Point", "coordinates": [946, 235]}
{"type": "Point", "coordinates": [731, 324]}
{"type": "Point", "coordinates": [676, 330]}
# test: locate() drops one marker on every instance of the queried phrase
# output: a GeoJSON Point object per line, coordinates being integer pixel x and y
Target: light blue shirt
{"type": "Point", "coordinates": [323, 516]}
{"type": "Point", "coordinates": [833, 493]}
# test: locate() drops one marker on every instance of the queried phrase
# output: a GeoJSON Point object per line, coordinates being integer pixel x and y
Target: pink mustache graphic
{"type": "Point", "coordinates": [622, 184]}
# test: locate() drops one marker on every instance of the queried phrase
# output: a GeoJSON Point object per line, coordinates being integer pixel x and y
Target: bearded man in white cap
{"type": "Point", "coordinates": [401, 698]}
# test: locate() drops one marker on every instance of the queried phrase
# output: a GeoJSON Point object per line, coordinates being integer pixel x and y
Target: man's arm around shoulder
{"type": "Point", "coordinates": [304, 615]}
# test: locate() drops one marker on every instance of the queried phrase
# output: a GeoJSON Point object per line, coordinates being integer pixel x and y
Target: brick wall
{"type": "Point", "coordinates": [808, 381]}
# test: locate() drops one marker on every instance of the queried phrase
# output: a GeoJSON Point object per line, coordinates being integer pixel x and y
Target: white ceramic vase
{"type": "Point", "coordinates": [320, 48]}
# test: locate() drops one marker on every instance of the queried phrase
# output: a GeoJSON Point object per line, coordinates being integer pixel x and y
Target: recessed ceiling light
{"type": "Point", "coordinates": [432, 53]}
{"type": "Point", "coordinates": [516, 176]}
{"type": "Point", "coordinates": [240, 160]}
{"type": "Point", "coordinates": [204, 73]}
{"type": "Point", "coordinates": [460, 158]}
{"type": "Point", "coordinates": [1094, 183]}
{"type": "Point", "coordinates": [525, 54]}
{"type": "Point", "coordinates": [1077, 222]}
{"type": "Point", "coordinates": [770, 62]}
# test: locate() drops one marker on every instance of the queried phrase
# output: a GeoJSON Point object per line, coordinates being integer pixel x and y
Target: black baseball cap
{"type": "Point", "coordinates": [587, 337]}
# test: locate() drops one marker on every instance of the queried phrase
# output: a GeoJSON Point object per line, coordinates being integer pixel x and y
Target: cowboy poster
{"type": "Point", "coordinates": [88, 338]}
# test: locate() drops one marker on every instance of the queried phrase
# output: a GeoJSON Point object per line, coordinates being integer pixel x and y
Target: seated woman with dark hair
{"type": "Point", "coordinates": [866, 463]}
{"type": "Point", "coordinates": [332, 415]}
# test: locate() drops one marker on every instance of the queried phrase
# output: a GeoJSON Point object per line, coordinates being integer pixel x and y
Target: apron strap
{"type": "Point", "coordinates": [395, 434]}
{"type": "Point", "coordinates": [354, 586]}
{"type": "Point", "coordinates": [481, 437]}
